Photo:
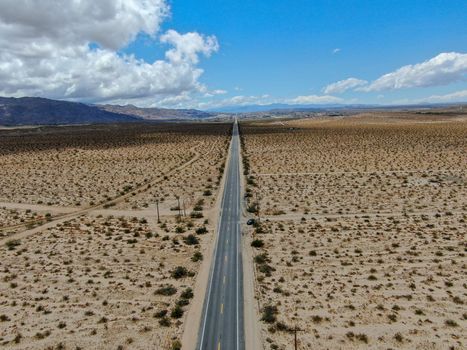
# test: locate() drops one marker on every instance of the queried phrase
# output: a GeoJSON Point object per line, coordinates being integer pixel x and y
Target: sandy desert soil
{"type": "Point", "coordinates": [11, 217]}
{"type": "Point", "coordinates": [362, 237]}
{"type": "Point", "coordinates": [110, 277]}
{"type": "Point", "coordinates": [65, 166]}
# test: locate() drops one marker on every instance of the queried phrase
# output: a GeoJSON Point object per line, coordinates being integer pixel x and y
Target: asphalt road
{"type": "Point", "coordinates": [222, 322]}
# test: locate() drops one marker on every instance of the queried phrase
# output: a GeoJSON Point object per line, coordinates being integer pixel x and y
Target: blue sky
{"type": "Point", "coordinates": [285, 48]}
{"type": "Point", "coordinates": [208, 54]}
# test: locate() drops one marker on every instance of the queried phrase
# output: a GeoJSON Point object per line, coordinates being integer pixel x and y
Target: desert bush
{"type": "Point", "coordinates": [179, 272]}
{"type": "Point", "coordinates": [12, 244]}
{"type": "Point", "coordinates": [451, 323]}
{"type": "Point", "coordinates": [182, 302]}
{"type": "Point", "coordinates": [179, 229]}
{"type": "Point", "coordinates": [196, 215]}
{"type": "Point", "coordinates": [252, 208]}
{"type": "Point", "coordinates": [362, 337]}
{"type": "Point", "coordinates": [166, 290]}
{"type": "Point", "coordinates": [176, 345]}
{"type": "Point", "coordinates": [201, 230]}
{"type": "Point", "coordinates": [164, 322]}
{"type": "Point", "coordinates": [197, 256]}
{"type": "Point", "coordinates": [316, 319]}
{"type": "Point", "coordinates": [266, 269]}
{"type": "Point", "coordinates": [160, 314]}
{"type": "Point", "coordinates": [190, 240]}
{"type": "Point", "coordinates": [269, 314]}
{"type": "Point", "coordinates": [257, 243]}
{"type": "Point", "coordinates": [261, 258]}
{"type": "Point", "coordinates": [177, 312]}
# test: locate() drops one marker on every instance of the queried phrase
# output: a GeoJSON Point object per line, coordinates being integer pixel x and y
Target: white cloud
{"type": "Point", "coordinates": [219, 92]}
{"type": "Point", "coordinates": [265, 99]}
{"type": "Point", "coordinates": [111, 23]}
{"type": "Point", "coordinates": [344, 85]}
{"type": "Point", "coordinates": [245, 100]}
{"type": "Point", "coordinates": [336, 50]}
{"type": "Point", "coordinates": [239, 100]}
{"type": "Point", "coordinates": [458, 96]}
{"type": "Point", "coordinates": [213, 93]}
{"type": "Point", "coordinates": [443, 69]}
{"type": "Point", "coordinates": [187, 47]}
{"type": "Point", "coordinates": [315, 99]}
{"type": "Point", "coordinates": [45, 50]}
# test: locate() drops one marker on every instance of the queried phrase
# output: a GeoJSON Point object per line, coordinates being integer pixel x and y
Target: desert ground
{"type": "Point", "coordinates": [361, 242]}
{"type": "Point", "coordinates": [85, 262]}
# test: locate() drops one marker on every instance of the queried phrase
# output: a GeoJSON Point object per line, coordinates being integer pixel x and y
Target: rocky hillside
{"type": "Point", "coordinates": [41, 111]}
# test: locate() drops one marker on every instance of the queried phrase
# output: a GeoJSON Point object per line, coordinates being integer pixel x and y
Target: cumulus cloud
{"type": "Point", "coordinates": [344, 85]}
{"type": "Point", "coordinates": [444, 69]}
{"type": "Point", "coordinates": [73, 51]}
{"type": "Point", "coordinates": [315, 99]}
{"type": "Point", "coordinates": [187, 47]}
{"type": "Point", "coordinates": [111, 23]}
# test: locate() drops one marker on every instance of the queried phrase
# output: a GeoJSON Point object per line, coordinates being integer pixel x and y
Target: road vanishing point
{"type": "Point", "coordinates": [222, 326]}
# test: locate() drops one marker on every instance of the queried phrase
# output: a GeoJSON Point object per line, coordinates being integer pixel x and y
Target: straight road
{"type": "Point", "coordinates": [222, 322]}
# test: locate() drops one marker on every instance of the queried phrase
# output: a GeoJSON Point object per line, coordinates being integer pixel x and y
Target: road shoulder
{"type": "Point", "coordinates": [253, 337]}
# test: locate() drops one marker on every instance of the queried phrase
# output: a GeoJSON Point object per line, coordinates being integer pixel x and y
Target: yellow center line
{"type": "Point", "coordinates": [224, 279]}
{"type": "Point", "coordinates": [226, 258]}
{"type": "Point", "coordinates": [222, 308]}
{"type": "Point", "coordinates": [219, 346]}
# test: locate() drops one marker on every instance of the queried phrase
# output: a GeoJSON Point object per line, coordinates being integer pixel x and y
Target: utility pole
{"type": "Point", "coordinates": [296, 329]}
{"type": "Point", "coordinates": [157, 207]}
{"type": "Point", "coordinates": [295, 336]}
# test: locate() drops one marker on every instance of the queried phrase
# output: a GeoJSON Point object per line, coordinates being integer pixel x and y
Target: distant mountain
{"type": "Point", "coordinates": [157, 113]}
{"type": "Point", "coordinates": [42, 111]}
{"type": "Point", "coordinates": [271, 107]}
{"type": "Point", "coordinates": [284, 108]}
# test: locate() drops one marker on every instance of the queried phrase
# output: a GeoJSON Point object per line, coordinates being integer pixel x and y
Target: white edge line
{"type": "Point", "coordinates": [214, 261]}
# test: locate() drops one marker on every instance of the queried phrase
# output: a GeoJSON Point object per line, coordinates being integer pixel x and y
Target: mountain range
{"type": "Point", "coordinates": [42, 111]}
